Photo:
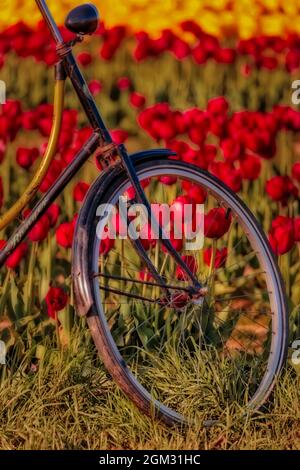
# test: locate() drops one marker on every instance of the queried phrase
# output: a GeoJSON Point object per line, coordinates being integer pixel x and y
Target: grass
{"type": "Point", "coordinates": [66, 400]}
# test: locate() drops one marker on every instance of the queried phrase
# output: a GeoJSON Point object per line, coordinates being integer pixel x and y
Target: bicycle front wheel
{"type": "Point", "coordinates": [179, 358]}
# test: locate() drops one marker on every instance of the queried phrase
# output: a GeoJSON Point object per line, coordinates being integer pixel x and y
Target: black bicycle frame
{"type": "Point", "coordinates": [100, 138]}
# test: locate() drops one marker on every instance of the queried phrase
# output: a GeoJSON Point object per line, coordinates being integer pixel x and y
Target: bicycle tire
{"type": "Point", "coordinates": [87, 300]}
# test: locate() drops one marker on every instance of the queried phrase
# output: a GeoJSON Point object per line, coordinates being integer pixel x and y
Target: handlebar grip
{"type": "Point", "coordinates": [42, 5]}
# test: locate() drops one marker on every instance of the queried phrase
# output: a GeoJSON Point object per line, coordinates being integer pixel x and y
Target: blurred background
{"type": "Point", "coordinates": [211, 79]}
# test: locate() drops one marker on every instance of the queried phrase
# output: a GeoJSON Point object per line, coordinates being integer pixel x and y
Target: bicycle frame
{"type": "Point", "coordinates": [101, 138]}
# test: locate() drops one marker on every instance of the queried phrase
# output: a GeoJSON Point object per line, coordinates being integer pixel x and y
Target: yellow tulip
{"type": "Point", "coordinates": [274, 25]}
{"type": "Point", "coordinates": [218, 17]}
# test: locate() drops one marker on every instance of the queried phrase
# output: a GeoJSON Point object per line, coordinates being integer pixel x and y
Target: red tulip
{"type": "Point", "coordinates": [145, 276]}
{"type": "Point", "coordinates": [216, 223]}
{"type": "Point", "coordinates": [210, 152]}
{"type": "Point", "coordinates": [65, 234]}
{"type": "Point", "coordinates": [106, 245]}
{"type": "Point", "coordinates": [269, 63]}
{"type": "Point", "coordinates": [180, 48]}
{"type": "Point", "coordinates": [137, 100]}
{"type": "Point", "coordinates": [230, 175]}
{"type": "Point", "coordinates": [53, 214]}
{"type": "Point", "coordinates": [168, 180]}
{"type": "Point", "coordinates": [40, 230]}
{"type": "Point", "coordinates": [119, 136]}
{"type": "Point", "coordinates": [56, 300]}
{"type": "Point", "coordinates": [200, 55]}
{"type": "Point", "coordinates": [191, 263]}
{"type": "Point", "coordinates": [16, 257]}
{"type": "Point", "coordinates": [80, 137]}
{"type": "Point", "coordinates": [250, 167]}
{"type": "Point", "coordinates": [296, 171]}
{"type": "Point", "coordinates": [297, 229]}
{"type": "Point", "coordinates": [51, 176]}
{"type": "Point", "coordinates": [217, 106]}
{"type": "Point", "coordinates": [80, 191]}
{"type": "Point", "coordinates": [4, 128]}
{"type": "Point", "coordinates": [50, 57]}
{"type": "Point", "coordinates": [225, 55]}
{"type": "Point", "coordinates": [195, 192]}
{"type": "Point", "coordinates": [124, 83]}
{"type": "Point", "coordinates": [282, 235]}
{"type": "Point", "coordinates": [85, 59]}
{"type": "Point", "coordinates": [220, 260]}
{"type": "Point", "coordinates": [218, 125]}
{"type": "Point", "coordinates": [261, 142]}
{"type": "Point", "coordinates": [68, 155]}
{"type": "Point", "coordinates": [281, 188]}
{"type": "Point", "coordinates": [211, 44]}
{"type": "Point", "coordinates": [29, 120]}
{"type": "Point", "coordinates": [231, 148]}
{"type": "Point", "coordinates": [70, 119]}
{"type": "Point", "coordinates": [26, 157]}
{"type": "Point", "coordinates": [292, 60]}
{"type": "Point", "coordinates": [179, 122]}
{"type": "Point", "coordinates": [12, 109]}
{"type": "Point", "coordinates": [192, 27]}
{"type": "Point", "coordinates": [95, 87]}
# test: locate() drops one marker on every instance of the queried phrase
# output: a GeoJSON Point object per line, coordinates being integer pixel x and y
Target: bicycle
{"type": "Point", "coordinates": [225, 323]}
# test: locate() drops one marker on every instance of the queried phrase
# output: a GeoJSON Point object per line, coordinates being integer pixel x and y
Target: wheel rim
{"type": "Point", "coordinates": [276, 350]}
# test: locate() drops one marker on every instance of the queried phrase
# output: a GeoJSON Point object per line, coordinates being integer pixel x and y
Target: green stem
{"type": "Point", "coordinates": [30, 278]}
{"type": "Point", "coordinates": [57, 331]}
{"type": "Point", "coordinates": [211, 275]}
{"type": "Point", "coordinates": [49, 257]}
{"type": "Point", "coordinates": [5, 291]}
{"type": "Point", "coordinates": [156, 289]}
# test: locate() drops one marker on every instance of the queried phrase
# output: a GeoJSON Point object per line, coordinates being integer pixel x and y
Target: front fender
{"type": "Point", "coordinates": [151, 154]}
{"type": "Point", "coordinates": [81, 246]}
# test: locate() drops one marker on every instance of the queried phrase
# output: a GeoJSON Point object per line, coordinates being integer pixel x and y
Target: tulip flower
{"type": "Point", "coordinates": [191, 264]}
{"type": "Point", "coordinates": [216, 223]}
{"type": "Point", "coordinates": [56, 300]}
{"type": "Point", "coordinates": [64, 234]}
{"type": "Point", "coordinates": [85, 59]}
{"type": "Point", "coordinates": [16, 257]}
{"type": "Point", "coordinates": [282, 235]}
{"type": "Point", "coordinates": [80, 191]}
{"type": "Point", "coordinates": [40, 230]}
{"type": "Point", "coordinates": [220, 258]}
{"type": "Point", "coordinates": [124, 83]}
{"type": "Point", "coordinates": [26, 157]}
{"type": "Point", "coordinates": [296, 171]}
{"type": "Point", "coordinates": [137, 100]}
{"type": "Point", "coordinates": [281, 189]}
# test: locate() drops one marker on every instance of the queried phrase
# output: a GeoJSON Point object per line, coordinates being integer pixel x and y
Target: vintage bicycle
{"type": "Point", "coordinates": [148, 305]}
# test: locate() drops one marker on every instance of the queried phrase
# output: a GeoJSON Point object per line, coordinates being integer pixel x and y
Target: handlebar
{"type": "Point", "coordinates": [42, 5]}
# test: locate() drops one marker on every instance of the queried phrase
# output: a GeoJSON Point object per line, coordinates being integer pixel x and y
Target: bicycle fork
{"type": "Point", "coordinates": [197, 288]}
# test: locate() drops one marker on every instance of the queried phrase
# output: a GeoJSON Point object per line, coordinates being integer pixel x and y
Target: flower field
{"type": "Point", "coordinates": [211, 80]}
